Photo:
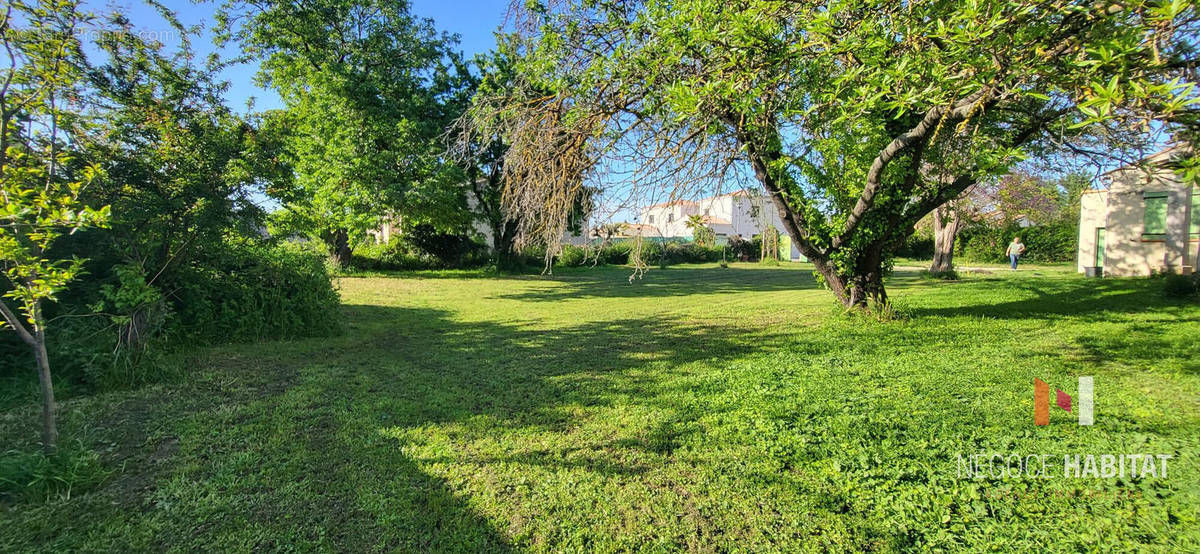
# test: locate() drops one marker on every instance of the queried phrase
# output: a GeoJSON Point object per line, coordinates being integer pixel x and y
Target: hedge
{"type": "Point", "coordinates": [1056, 242]}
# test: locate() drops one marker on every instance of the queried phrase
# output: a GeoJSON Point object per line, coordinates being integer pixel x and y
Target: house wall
{"type": "Point", "coordinates": [1127, 252]}
{"type": "Point", "coordinates": [748, 225]}
{"type": "Point", "coordinates": [737, 208]}
{"type": "Point", "coordinates": [670, 220]}
{"type": "Point", "coordinates": [1093, 209]}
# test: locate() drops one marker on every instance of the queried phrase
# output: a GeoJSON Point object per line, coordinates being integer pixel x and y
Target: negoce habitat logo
{"type": "Point", "coordinates": [1084, 408]}
{"type": "Point", "coordinates": [996, 465]}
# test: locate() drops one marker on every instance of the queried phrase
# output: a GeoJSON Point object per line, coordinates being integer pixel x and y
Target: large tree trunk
{"type": "Point", "coordinates": [338, 242]}
{"type": "Point", "coordinates": [859, 289]}
{"type": "Point", "coordinates": [503, 235]}
{"type": "Point", "coordinates": [49, 423]}
{"type": "Point", "coordinates": [945, 232]}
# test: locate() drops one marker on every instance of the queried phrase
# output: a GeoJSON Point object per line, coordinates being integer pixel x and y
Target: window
{"type": "Point", "coordinates": [650, 219]}
{"type": "Point", "coordinates": [670, 217]}
{"type": "Point", "coordinates": [1155, 217]}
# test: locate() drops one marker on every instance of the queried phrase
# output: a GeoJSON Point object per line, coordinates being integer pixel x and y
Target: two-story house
{"type": "Point", "coordinates": [742, 214]}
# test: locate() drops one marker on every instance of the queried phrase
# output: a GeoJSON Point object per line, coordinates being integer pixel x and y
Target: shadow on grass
{"type": "Point", "coordinates": [615, 283]}
{"type": "Point", "coordinates": [277, 445]}
{"type": "Point", "coordinates": [1100, 301]}
{"type": "Point", "coordinates": [1048, 299]}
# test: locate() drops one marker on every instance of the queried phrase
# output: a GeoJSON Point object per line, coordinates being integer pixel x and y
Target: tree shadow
{"type": "Point", "coordinates": [616, 283]}
{"type": "Point", "coordinates": [1053, 298]}
{"type": "Point", "coordinates": [309, 442]}
{"type": "Point", "coordinates": [1137, 338]}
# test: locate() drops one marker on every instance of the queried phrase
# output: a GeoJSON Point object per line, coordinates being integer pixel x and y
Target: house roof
{"type": "Point", "coordinates": [715, 220]}
{"type": "Point", "coordinates": [631, 229]}
{"type": "Point", "coordinates": [672, 203]}
{"type": "Point", "coordinates": [1163, 159]}
{"type": "Point", "coordinates": [742, 192]}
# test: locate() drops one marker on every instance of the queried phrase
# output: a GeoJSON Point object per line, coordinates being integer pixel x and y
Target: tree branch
{"type": "Point", "coordinates": [917, 135]}
{"type": "Point", "coordinates": [13, 321]}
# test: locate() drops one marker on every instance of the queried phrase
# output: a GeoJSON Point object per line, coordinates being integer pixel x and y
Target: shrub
{"type": "Point", "coordinates": [402, 255]}
{"type": "Point", "coordinates": [1179, 286]}
{"type": "Point", "coordinates": [690, 253]}
{"type": "Point", "coordinates": [125, 324]}
{"type": "Point", "coordinates": [252, 293]}
{"type": "Point", "coordinates": [1055, 242]}
{"type": "Point", "coordinates": [571, 256]}
{"type": "Point", "coordinates": [653, 252]}
{"type": "Point", "coordinates": [393, 256]}
{"type": "Point", "coordinates": [916, 247]}
{"type": "Point", "coordinates": [450, 249]}
{"type": "Point", "coordinates": [35, 477]}
{"type": "Point", "coordinates": [610, 254]}
{"type": "Point", "coordinates": [747, 250]}
{"type": "Point", "coordinates": [616, 254]}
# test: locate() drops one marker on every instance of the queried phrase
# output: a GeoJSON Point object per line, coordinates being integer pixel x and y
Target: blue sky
{"type": "Point", "coordinates": [473, 20]}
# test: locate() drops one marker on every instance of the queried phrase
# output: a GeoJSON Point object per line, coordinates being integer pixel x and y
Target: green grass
{"type": "Point", "coordinates": [698, 409]}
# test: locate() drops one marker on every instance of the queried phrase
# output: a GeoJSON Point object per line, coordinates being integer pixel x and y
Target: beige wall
{"type": "Point", "coordinates": [1122, 210]}
{"type": "Point", "coordinates": [1093, 208]}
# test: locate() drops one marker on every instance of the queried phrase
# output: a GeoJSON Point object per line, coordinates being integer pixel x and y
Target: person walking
{"type": "Point", "coordinates": [1014, 251]}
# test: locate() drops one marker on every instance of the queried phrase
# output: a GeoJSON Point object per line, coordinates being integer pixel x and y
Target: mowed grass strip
{"type": "Point", "coordinates": [699, 409]}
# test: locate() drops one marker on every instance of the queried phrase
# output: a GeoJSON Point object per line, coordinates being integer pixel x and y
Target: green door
{"type": "Point", "coordinates": [1100, 247]}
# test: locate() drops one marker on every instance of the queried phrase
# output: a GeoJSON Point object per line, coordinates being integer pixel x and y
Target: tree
{"type": "Point", "coordinates": [700, 231]}
{"type": "Point", "coordinates": [364, 83]}
{"type": "Point", "coordinates": [180, 171]}
{"type": "Point", "coordinates": [41, 203]}
{"type": "Point", "coordinates": [1024, 195]}
{"type": "Point", "coordinates": [837, 110]}
{"type": "Point", "coordinates": [946, 224]}
{"type": "Point", "coordinates": [483, 156]}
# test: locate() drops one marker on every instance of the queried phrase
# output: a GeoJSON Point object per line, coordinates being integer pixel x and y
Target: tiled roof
{"type": "Point", "coordinates": [672, 203]}
{"type": "Point", "coordinates": [1165, 158]}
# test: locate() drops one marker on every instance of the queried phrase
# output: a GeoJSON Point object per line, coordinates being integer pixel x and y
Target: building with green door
{"type": "Point", "coordinates": [1146, 220]}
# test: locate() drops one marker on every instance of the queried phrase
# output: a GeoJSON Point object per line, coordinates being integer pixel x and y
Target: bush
{"type": "Point", "coordinates": [451, 250]}
{"type": "Point", "coordinates": [1055, 242]}
{"type": "Point", "coordinates": [394, 256]}
{"type": "Point", "coordinates": [123, 331]}
{"type": "Point", "coordinates": [616, 254]}
{"type": "Point", "coordinates": [653, 252]}
{"type": "Point", "coordinates": [253, 293]}
{"type": "Point", "coordinates": [421, 247]}
{"type": "Point", "coordinates": [916, 247]}
{"type": "Point", "coordinates": [572, 256]}
{"type": "Point", "coordinates": [689, 253]}
{"type": "Point", "coordinates": [747, 250]}
{"type": "Point", "coordinates": [1180, 286]}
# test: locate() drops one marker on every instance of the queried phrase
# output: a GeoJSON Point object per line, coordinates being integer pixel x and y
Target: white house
{"type": "Point", "coordinates": [740, 213]}
{"type": "Point", "coordinates": [1146, 221]}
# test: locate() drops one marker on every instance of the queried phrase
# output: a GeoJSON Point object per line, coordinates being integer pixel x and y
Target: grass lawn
{"type": "Point", "coordinates": [699, 409]}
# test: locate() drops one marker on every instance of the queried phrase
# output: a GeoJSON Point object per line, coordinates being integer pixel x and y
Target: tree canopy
{"type": "Point", "coordinates": [857, 117]}
{"type": "Point", "coordinates": [369, 90]}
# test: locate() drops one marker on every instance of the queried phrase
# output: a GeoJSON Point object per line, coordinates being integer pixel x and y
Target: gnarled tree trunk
{"type": "Point", "coordinates": [503, 241]}
{"type": "Point", "coordinates": [338, 242]}
{"type": "Point", "coordinates": [946, 224]}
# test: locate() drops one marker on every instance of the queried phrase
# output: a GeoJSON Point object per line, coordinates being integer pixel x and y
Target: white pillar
{"type": "Point", "coordinates": [1086, 401]}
